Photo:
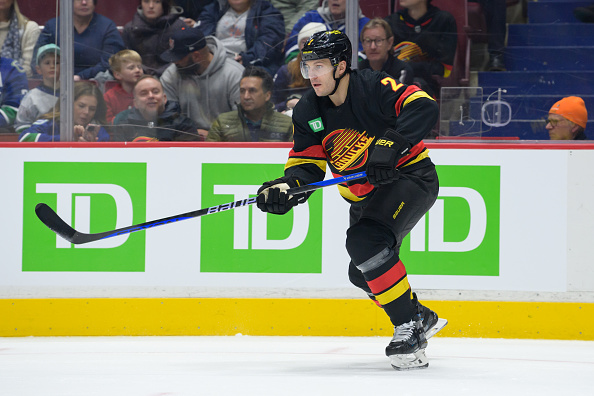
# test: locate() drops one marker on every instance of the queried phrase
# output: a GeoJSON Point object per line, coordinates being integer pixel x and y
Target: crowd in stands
{"type": "Point", "coordinates": [216, 70]}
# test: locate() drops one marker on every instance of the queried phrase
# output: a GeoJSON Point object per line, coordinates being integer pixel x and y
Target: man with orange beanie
{"type": "Point", "coordinates": [567, 119]}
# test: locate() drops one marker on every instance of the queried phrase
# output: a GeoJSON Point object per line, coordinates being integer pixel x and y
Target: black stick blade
{"type": "Point", "coordinates": [54, 222]}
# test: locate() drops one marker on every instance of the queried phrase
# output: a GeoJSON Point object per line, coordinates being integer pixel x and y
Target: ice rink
{"type": "Point", "coordinates": [242, 365]}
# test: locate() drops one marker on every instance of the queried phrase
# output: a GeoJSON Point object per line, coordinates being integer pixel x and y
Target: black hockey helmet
{"type": "Point", "coordinates": [333, 45]}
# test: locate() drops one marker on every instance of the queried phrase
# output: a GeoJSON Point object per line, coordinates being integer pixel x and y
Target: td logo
{"type": "Point", "coordinates": [248, 240]}
{"type": "Point", "coordinates": [460, 233]}
{"type": "Point", "coordinates": [91, 197]}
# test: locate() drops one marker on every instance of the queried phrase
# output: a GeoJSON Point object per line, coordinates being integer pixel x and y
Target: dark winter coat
{"type": "Point", "coordinates": [264, 32]}
{"type": "Point", "coordinates": [151, 38]}
{"type": "Point", "coordinates": [130, 125]}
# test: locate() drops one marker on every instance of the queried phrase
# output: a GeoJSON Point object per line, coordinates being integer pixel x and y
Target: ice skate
{"type": "Point", "coordinates": [432, 324]}
{"type": "Point", "coordinates": [406, 350]}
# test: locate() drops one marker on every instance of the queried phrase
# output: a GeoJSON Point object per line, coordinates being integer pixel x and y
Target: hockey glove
{"type": "Point", "coordinates": [381, 166]}
{"type": "Point", "coordinates": [273, 198]}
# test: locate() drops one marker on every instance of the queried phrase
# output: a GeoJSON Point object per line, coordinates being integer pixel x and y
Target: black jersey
{"type": "Point", "coordinates": [435, 33]}
{"type": "Point", "coordinates": [343, 137]}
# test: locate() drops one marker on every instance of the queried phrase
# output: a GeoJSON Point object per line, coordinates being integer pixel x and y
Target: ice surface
{"type": "Point", "coordinates": [242, 365]}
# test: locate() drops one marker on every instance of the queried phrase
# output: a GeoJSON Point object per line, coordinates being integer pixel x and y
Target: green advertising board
{"type": "Point", "coordinates": [91, 197]}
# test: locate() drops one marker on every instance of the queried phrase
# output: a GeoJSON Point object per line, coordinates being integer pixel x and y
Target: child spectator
{"type": "Point", "coordinates": [43, 98]}
{"type": "Point", "coordinates": [288, 81]}
{"type": "Point", "coordinates": [126, 67]}
{"type": "Point", "coordinates": [149, 30]}
{"type": "Point", "coordinates": [88, 116]}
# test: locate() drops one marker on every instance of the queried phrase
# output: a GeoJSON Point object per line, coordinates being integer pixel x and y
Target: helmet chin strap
{"type": "Point", "coordinates": [336, 80]}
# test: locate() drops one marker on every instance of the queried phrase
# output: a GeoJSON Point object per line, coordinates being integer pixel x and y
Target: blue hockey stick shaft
{"type": "Point", "coordinates": [51, 219]}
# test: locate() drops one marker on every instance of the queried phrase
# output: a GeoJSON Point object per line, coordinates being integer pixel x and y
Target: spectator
{"type": "Point", "coordinates": [378, 44]}
{"type": "Point", "coordinates": [89, 115]}
{"type": "Point", "coordinates": [42, 98]}
{"type": "Point", "coordinates": [126, 67]}
{"type": "Point", "coordinates": [584, 14]}
{"type": "Point", "coordinates": [331, 13]}
{"type": "Point", "coordinates": [255, 119]}
{"type": "Point", "coordinates": [149, 30]}
{"type": "Point", "coordinates": [193, 8]}
{"type": "Point", "coordinates": [203, 80]}
{"type": "Point", "coordinates": [495, 12]}
{"type": "Point", "coordinates": [292, 10]}
{"type": "Point", "coordinates": [288, 81]}
{"type": "Point", "coordinates": [426, 37]}
{"type": "Point", "coordinates": [13, 86]}
{"type": "Point", "coordinates": [567, 119]}
{"type": "Point", "coordinates": [252, 31]}
{"type": "Point", "coordinates": [153, 118]}
{"type": "Point", "coordinates": [18, 35]}
{"type": "Point", "coordinates": [96, 38]}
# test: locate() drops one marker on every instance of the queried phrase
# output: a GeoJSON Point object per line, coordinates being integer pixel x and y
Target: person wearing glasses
{"type": "Point", "coordinates": [567, 119]}
{"type": "Point", "coordinates": [378, 45]}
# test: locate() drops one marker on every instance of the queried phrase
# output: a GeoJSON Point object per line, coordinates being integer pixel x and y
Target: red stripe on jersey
{"type": "Point", "coordinates": [408, 91]}
{"type": "Point", "coordinates": [310, 152]}
{"type": "Point", "coordinates": [387, 280]}
{"type": "Point", "coordinates": [414, 151]}
{"type": "Point", "coordinates": [361, 190]}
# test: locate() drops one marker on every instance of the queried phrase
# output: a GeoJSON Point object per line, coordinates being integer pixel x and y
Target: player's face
{"type": "Point", "coordinates": [149, 98]}
{"type": "Point", "coordinates": [252, 94]}
{"type": "Point", "coordinates": [375, 44]}
{"type": "Point", "coordinates": [83, 8]}
{"type": "Point", "coordinates": [152, 9]}
{"type": "Point", "coordinates": [84, 109]}
{"type": "Point", "coordinates": [320, 74]}
{"type": "Point", "coordinates": [560, 128]}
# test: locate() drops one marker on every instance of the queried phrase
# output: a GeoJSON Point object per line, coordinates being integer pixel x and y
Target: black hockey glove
{"type": "Point", "coordinates": [381, 166]}
{"type": "Point", "coordinates": [272, 196]}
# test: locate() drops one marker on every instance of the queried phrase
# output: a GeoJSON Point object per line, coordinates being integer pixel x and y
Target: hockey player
{"type": "Point", "coordinates": [366, 120]}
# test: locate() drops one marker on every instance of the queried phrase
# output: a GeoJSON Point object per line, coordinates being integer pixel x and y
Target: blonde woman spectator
{"type": "Point", "coordinates": [18, 35]}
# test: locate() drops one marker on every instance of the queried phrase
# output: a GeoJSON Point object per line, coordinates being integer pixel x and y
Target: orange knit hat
{"type": "Point", "coordinates": [573, 108]}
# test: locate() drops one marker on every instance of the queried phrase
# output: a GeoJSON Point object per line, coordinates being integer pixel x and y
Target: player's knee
{"type": "Point", "coordinates": [366, 239]}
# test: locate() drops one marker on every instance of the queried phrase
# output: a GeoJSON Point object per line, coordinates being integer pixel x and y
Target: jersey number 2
{"type": "Point", "coordinates": [392, 82]}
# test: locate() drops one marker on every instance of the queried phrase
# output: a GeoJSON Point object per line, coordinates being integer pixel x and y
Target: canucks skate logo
{"type": "Point", "coordinates": [347, 148]}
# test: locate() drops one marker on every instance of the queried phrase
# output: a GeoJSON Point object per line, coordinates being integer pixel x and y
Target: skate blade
{"type": "Point", "coordinates": [410, 361]}
{"type": "Point", "coordinates": [441, 323]}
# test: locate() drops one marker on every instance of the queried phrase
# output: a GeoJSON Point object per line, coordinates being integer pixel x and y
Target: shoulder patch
{"type": "Point", "coordinates": [316, 125]}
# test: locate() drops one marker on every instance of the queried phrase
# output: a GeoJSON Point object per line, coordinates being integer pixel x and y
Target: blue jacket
{"type": "Point", "coordinates": [264, 32]}
{"type": "Point", "coordinates": [13, 87]}
{"type": "Point", "coordinates": [49, 131]}
{"type": "Point", "coordinates": [321, 15]}
{"type": "Point", "coordinates": [92, 48]}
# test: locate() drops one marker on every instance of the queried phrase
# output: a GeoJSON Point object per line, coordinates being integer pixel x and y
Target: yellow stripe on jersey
{"type": "Point", "coordinates": [415, 96]}
{"type": "Point", "coordinates": [393, 293]}
{"type": "Point", "coordinates": [300, 161]}
{"type": "Point", "coordinates": [421, 156]}
{"type": "Point", "coordinates": [345, 192]}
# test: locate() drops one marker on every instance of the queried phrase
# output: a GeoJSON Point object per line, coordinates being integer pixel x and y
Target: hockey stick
{"type": "Point", "coordinates": [51, 219]}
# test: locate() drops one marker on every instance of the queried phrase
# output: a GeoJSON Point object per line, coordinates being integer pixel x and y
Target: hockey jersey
{"type": "Point", "coordinates": [13, 86]}
{"type": "Point", "coordinates": [343, 137]}
{"type": "Point", "coordinates": [36, 102]}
